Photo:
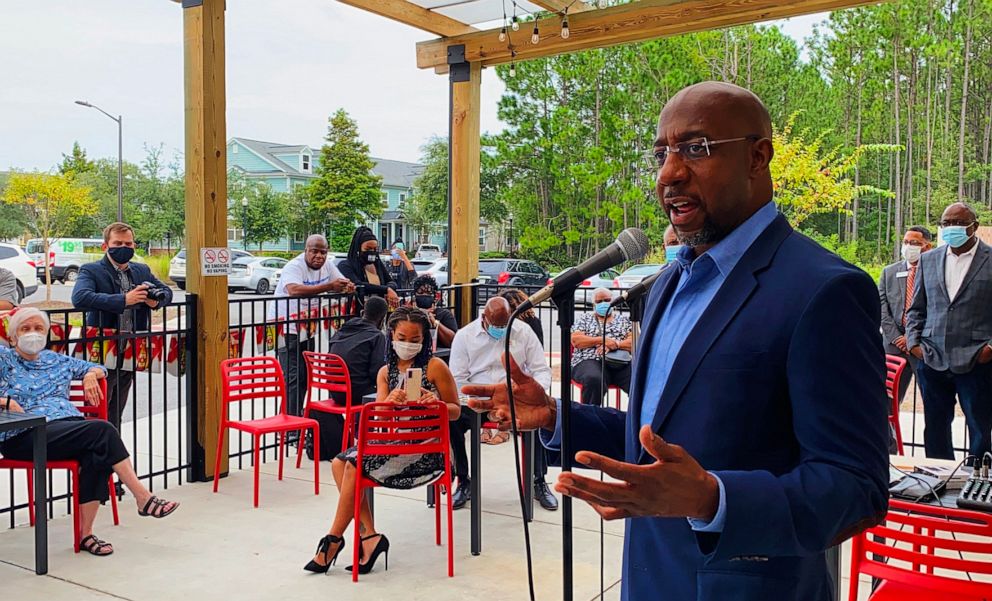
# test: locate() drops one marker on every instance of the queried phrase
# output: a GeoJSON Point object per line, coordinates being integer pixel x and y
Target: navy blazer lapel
{"type": "Point", "coordinates": [941, 271]}
{"type": "Point", "coordinates": [655, 305]}
{"type": "Point", "coordinates": [981, 256]}
{"type": "Point", "coordinates": [728, 300]}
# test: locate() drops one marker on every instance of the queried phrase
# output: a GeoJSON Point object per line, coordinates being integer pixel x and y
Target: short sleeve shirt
{"type": "Point", "coordinates": [298, 272]}
{"type": "Point", "coordinates": [617, 328]}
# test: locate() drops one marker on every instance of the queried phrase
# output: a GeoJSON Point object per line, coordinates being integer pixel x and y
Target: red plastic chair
{"type": "Point", "coordinates": [894, 371]}
{"type": "Point", "coordinates": [252, 378]}
{"type": "Point", "coordinates": [608, 389]}
{"type": "Point", "coordinates": [326, 371]}
{"type": "Point", "coordinates": [77, 398]}
{"type": "Point", "coordinates": [388, 429]}
{"type": "Point", "coordinates": [907, 548]}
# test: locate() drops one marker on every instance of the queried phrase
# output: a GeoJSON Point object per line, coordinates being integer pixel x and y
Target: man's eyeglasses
{"type": "Point", "coordinates": [691, 150]}
{"type": "Point", "coordinates": [953, 222]}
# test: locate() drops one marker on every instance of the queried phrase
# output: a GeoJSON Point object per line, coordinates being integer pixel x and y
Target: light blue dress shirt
{"type": "Point", "coordinates": [700, 279]}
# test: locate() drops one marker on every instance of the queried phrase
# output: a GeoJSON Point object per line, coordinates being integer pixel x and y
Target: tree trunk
{"type": "Point", "coordinates": [897, 173]}
{"type": "Point", "coordinates": [964, 99]}
{"type": "Point", "coordinates": [857, 169]}
{"type": "Point", "coordinates": [910, 117]}
{"type": "Point", "coordinates": [929, 160]}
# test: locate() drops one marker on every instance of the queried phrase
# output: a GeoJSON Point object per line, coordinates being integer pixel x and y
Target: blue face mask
{"type": "Point", "coordinates": [496, 333]}
{"type": "Point", "coordinates": [603, 308]}
{"type": "Point", "coordinates": [672, 252]}
{"type": "Point", "coordinates": [955, 235]}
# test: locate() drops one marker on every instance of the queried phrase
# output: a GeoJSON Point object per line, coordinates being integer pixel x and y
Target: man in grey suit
{"type": "Point", "coordinates": [897, 280]}
{"type": "Point", "coordinates": [949, 328]}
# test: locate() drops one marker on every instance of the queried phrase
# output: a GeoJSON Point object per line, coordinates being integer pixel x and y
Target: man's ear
{"type": "Point", "coordinates": [762, 152]}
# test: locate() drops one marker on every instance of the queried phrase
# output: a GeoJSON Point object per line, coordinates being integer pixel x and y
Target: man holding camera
{"type": "Point", "coordinates": [118, 294]}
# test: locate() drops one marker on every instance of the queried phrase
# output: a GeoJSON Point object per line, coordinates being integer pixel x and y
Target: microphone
{"type": "Point", "coordinates": [637, 290]}
{"type": "Point", "coordinates": [630, 245]}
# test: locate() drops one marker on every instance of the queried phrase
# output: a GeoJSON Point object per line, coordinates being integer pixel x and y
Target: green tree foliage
{"type": "Point", "coordinates": [54, 204]}
{"type": "Point", "coordinates": [266, 215]}
{"type": "Point", "coordinates": [76, 161]}
{"type": "Point", "coordinates": [345, 191]}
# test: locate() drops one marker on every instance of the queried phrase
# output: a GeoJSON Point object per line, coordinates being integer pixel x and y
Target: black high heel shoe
{"type": "Point", "coordinates": [322, 548]}
{"type": "Point", "coordinates": [382, 547]}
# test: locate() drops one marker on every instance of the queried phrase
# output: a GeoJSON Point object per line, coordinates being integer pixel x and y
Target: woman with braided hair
{"type": "Point", "coordinates": [409, 330]}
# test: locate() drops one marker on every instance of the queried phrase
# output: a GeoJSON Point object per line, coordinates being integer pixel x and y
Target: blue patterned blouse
{"type": "Point", "coordinates": [40, 387]}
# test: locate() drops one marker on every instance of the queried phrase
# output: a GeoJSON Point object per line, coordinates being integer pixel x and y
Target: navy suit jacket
{"type": "Point", "coordinates": [780, 391]}
{"type": "Point", "coordinates": [98, 290]}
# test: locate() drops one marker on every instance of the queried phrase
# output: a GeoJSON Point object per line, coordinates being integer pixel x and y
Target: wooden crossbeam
{"type": "Point", "coordinates": [413, 15]}
{"type": "Point", "coordinates": [559, 6]}
{"type": "Point", "coordinates": [625, 23]}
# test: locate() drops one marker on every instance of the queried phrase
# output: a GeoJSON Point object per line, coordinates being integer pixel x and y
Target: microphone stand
{"type": "Point", "coordinates": [636, 307]}
{"type": "Point", "coordinates": [564, 301]}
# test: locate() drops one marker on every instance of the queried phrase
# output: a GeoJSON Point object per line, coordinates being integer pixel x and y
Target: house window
{"type": "Point", "coordinates": [306, 163]}
{"type": "Point", "coordinates": [234, 149]}
{"type": "Point", "coordinates": [233, 234]}
{"type": "Point", "coordinates": [385, 200]}
{"type": "Point", "coordinates": [482, 237]}
{"type": "Point", "coordinates": [402, 198]}
{"type": "Point", "coordinates": [299, 238]}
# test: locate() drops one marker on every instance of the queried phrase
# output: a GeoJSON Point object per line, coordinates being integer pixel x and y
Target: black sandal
{"type": "Point", "coordinates": [155, 507]}
{"type": "Point", "coordinates": [94, 546]}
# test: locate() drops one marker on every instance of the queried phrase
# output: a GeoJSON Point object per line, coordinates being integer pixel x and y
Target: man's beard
{"type": "Point", "coordinates": [708, 234]}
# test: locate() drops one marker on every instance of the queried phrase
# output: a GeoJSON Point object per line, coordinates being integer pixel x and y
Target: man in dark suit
{"type": "Point", "coordinates": [118, 294]}
{"type": "Point", "coordinates": [757, 407]}
{"type": "Point", "coordinates": [895, 291]}
{"type": "Point", "coordinates": [949, 328]}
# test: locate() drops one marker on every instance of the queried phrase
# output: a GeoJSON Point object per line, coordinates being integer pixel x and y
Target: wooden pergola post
{"type": "Point", "coordinates": [206, 212]}
{"type": "Point", "coordinates": [464, 148]}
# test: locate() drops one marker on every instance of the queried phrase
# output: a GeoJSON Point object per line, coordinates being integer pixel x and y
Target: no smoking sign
{"type": "Point", "coordinates": [215, 261]}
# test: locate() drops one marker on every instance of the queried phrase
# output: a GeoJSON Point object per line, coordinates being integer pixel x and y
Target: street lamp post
{"type": "Point", "coordinates": [244, 220]}
{"type": "Point", "coordinates": [120, 156]}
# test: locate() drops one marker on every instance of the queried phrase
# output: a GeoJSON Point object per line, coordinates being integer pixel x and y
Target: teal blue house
{"type": "Point", "coordinates": [285, 166]}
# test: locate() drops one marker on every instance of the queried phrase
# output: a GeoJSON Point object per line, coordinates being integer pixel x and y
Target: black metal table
{"type": "Point", "coordinates": [35, 424]}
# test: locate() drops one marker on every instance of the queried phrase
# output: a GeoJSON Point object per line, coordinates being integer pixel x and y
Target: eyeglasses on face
{"type": "Point", "coordinates": [691, 150]}
{"type": "Point", "coordinates": [958, 222]}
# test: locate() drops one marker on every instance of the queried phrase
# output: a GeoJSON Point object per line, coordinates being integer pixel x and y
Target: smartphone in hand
{"type": "Point", "coordinates": [414, 380]}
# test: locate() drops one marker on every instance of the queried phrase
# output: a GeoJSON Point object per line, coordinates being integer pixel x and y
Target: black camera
{"type": "Point", "coordinates": [157, 294]}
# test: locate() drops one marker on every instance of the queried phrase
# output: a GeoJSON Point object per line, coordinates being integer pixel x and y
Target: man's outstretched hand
{"type": "Point", "coordinates": [535, 409]}
{"type": "Point", "coordinates": [675, 485]}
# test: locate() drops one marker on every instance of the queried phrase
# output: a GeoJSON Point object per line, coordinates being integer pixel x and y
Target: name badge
{"type": "Point", "coordinates": [902, 274]}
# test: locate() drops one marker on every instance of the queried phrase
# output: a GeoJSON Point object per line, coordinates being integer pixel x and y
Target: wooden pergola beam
{"type": "Point", "coordinates": [413, 15]}
{"type": "Point", "coordinates": [559, 6]}
{"type": "Point", "coordinates": [622, 24]}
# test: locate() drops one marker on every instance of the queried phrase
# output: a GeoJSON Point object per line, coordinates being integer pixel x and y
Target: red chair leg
{"type": "Point", "coordinates": [299, 440]}
{"type": "Point", "coordinates": [75, 510]}
{"type": "Point", "coordinates": [316, 459]}
{"type": "Point", "coordinates": [451, 534]}
{"type": "Point", "coordinates": [30, 495]}
{"type": "Point", "coordinates": [282, 450]}
{"type": "Point", "coordinates": [257, 463]}
{"type": "Point", "coordinates": [113, 500]}
{"type": "Point", "coordinates": [220, 445]}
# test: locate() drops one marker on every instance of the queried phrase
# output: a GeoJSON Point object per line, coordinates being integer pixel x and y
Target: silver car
{"type": "Point", "coordinates": [438, 269]}
{"type": "Point", "coordinates": [260, 274]}
{"type": "Point", "coordinates": [635, 274]}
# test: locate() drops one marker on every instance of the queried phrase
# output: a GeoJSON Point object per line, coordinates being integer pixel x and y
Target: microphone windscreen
{"type": "Point", "coordinates": [633, 243]}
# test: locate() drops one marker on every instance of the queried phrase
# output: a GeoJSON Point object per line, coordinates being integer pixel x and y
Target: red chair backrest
{"type": "Point", "coordinates": [388, 429]}
{"type": "Point", "coordinates": [918, 548]}
{"type": "Point", "coordinates": [894, 368]}
{"type": "Point", "coordinates": [250, 378]}
{"type": "Point", "coordinates": [327, 371]}
{"type": "Point", "coordinates": [78, 398]}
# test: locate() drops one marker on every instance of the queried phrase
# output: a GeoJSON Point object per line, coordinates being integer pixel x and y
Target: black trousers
{"type": "Point", "coordinates": [463, 425]}
{"type": "Point", "coordinates": [294, 370]}
{"type": "Point", "coordinates": [95, 444]}
{"type": "Point", "coordinates": [118, 389]}
{"type": "Point", "coordinates": [940, 390]}
{"type": "Point", "coordinates": [588, 373]}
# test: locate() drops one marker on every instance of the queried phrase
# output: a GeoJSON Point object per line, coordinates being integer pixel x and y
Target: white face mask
{"type": "Point", "coordinates": [31, 344]}
{"type": "Point", "coordinates": [911, 253]}
{"type": "Point", "coordinates": [406, 350]}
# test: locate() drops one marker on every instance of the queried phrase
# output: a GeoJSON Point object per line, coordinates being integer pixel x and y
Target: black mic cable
{"type": "Point", "coordinates": [516, 453]}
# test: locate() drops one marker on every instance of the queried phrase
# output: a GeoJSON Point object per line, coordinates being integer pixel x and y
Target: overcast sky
{"type": "Point", "coordinates": [290, 64]}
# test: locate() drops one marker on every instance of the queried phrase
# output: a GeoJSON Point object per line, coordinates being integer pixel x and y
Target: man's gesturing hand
{"type": "Point", "coordinates": [535, 409]}
{"type": "Point", "coordinates": [673, 486]}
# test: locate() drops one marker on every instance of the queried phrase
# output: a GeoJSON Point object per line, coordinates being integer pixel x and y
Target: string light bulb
{"type": "Point", "coordinates": [513, 70]}
{"type": "Point", "coordinates": [536, 36]}
{"type": "Point", "coordinates": [515, 24]}
{"type": "Point", "coordinates": [564, 28]}
{"type": "Point", "coordinates": [502, 34]}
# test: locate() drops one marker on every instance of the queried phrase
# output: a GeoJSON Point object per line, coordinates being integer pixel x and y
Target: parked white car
{"type": "Point", "coordinates": [438, 269]}
{"type": "Point", "coordinates": [13, 258]}
{"type": "Point", "coordinates": [428, 252]}
{"type": "Point", "coordinates": [260, 274]}
{"type": "Point", "coordinates": [635, 274]}
{"type": "Point", "coordinates": [177, 266]}
{"type": "Point", "coordinates": [65, 256]}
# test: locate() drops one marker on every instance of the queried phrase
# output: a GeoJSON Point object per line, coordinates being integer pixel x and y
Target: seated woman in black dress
{"type": "Point", "coordinates": [409, 331]}
{"type": "Point", "coordinates": [36, 381]}
{"type": "Point", "coordinates": [366, 270]}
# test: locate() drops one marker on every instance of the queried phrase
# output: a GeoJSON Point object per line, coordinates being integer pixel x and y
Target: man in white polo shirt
{"type": "Point", "coordinates": [308, 274]}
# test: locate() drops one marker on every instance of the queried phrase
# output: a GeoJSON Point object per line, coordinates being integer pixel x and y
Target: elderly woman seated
{"type": "Point", "coordinates": [36, 381]}
{"type": "Point", "coordinates": [595, 366]}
